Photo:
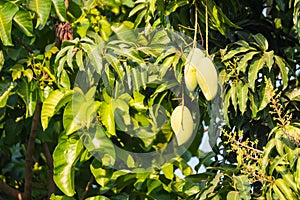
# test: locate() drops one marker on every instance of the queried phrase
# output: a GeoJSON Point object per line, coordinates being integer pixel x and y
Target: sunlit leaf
{"type": "Point", "coordinates": [7, 12]}
{"type": "Point", "coordinates": [42, 9]}
{"type": "Point", "coordinates": [60, 8]}
{"type": "Point", "coordinates": [22, 18]}
{"type": "Point", "coordinates": [65, 156]}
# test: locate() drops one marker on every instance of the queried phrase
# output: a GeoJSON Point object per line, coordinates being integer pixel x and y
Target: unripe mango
{"type": "Point", "coordinates": [207, 78]}
{"type": "Point", "coordinates": [190, 71]}
{"type": "Point", "coordinates": [182, 124]}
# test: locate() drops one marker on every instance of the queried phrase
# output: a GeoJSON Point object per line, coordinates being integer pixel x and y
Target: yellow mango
{"type": "Point", "coordinates": [207, 78]}
{"type": "Point", "coordinates": [189, 70]}
{"type": "Point", "coordinates": [182, 124]}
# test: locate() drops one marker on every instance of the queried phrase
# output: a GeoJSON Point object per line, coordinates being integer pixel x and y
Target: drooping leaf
{"type": "Point", "coordinates": [266, 98]}
{"type": "Point", "coordinates": [7, 13]}
{"type": "Point", "coordinates": [283, 70]}
{"type": "Point", "coordinates": [255, 66]}
{"type": "Point", "coordinates": [242, 96]}
{"type": "Point", "coordinates": [42, 9]}
{"type": "Point", "coordinates": [65, 156]}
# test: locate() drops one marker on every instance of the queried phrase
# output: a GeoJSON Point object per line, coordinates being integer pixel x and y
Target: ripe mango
{"type": "Point", "coordinates": [189, 70]}
{"type": "Point", "coordinates": [182, 124]}
{"type": "Point", "coordinates": [207, 78]}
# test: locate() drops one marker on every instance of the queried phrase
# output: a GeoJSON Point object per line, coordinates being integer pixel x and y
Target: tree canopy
{"type": "Point", "coordinates": [106, 99]}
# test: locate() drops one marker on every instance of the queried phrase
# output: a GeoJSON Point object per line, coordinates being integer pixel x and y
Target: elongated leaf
{"type": "Point", "coordinates": [7, 13]}
{"type": "Point", "coordinates": [5, 89]}
{"type": "Point", "coordinates": [107, 117]}
{"type": "Point", "coordinates": [65, 156]}
{"type": "Point", "coordinates": [242, 96]}
{"type": "Point", "coordinates": [60, 8]}
{"type": "Point", "coordinates": [283, 186]}
{"type": "Point", "coordinates": [234, 52]}
{"type": "Point", "coordinates": [266, 98]}
{"type": "Point", "coordinates": [257, 65]}
{"type": "Point", "coordinates": [136, 9]}
{"type": "Point", "coordinates": [94, 56]}
{"type": "Point", "coordinates": [2, 59]}
{"type": "Point", "coordinates": [22, 18]}
{"type": "Point", "coordinates": [283, 70]}
{"type": "Point", "coordinates": [278, 193]}
{"type": "Point", "coordinates": [233, 95]}
{"type": "Point", "coordinates": [42, 9]}
{"type": "Point", "coordinates": [267, 150]}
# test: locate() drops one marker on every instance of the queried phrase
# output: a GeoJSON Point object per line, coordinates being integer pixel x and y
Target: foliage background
{"type": "Point", "coordinates": [45, 44]}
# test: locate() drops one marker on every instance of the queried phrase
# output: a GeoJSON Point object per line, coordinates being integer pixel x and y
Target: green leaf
{"type": "Point", "coordinates": [2, 60]}
{"type": "Point", "coordinates": [102, 175]}
{"type": "Point", "coordinates": [283, 186]}
{"type": "Point", "coordinates": [269, 59]}
{"type": "Point", "coordinates": [99, 197]}
{"type": "Point", "coordinates": [243, 63]}
{"type": "Point", "coordinates": [52, 104]}
{"type": "Point", "coordinates": [234, 52]}
{"type": "Point", "coordinates": [168, 170]}
{"type": "Point", "coordinates": [107, 114]}
{"type": "Point", "coordinates": [242, 184]}
{"type": "Point", "coordinates": [242, 96]}
{"type": "Point", "coordinates": [5, 89]}
{"type": "Point", "coordinates": [23, 20]}
{"type": "Point", "coordinates": [79, 60]}
{"type": "Point", "coordinates": [261, 41]}
{"type": "Point", "coordinates": [294, 94]}
{"type": "Point", "coordinates": [65, 156]}
{"type": "Point", "coordinates": [94, 54]}
{"type": "Point", "coordinates": [233, 95]}
{"type": "Point", "coordinates": [7, 13]}
{"type": "Point", "coordinates": [233, 195]}
{"type": "Point", "coordinates": [267, 150]}
{"type": "Point", "coordinates": [136, 9]}
{"type": "Point", "coordinates": [266, 97]}
{"type": "Point", "coordinates": [42, 9]}
{"type": "Point", "coordinates": [255, 66]}
{"type": "Point", "coordinates": [60, 9]}
{"type": "Point", "coordinates": [283, 70]}
{"type": "Point", "coordinates": [58, 197]}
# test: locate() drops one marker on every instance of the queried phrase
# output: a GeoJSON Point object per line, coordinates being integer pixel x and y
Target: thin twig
{"type": "Point", "coordinates": [30, 150]}
{"type": "Point", "coordinates": [87, 188]}
{"type": "Point", "coordinates": [49, 159]}
{"type": "Point", "coordinates": [28, 49]}
{"type": "Point", "coordinates": [10, 191]}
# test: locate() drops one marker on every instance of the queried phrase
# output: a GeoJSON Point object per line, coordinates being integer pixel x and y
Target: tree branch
{"type": "Point", "coordinates": [10, 191]}
{"type": "Point", "coordinates": [87, 188]}
{"type": "Point", "coordinates": [30, 149]}
{"type": "Point", "coordinates": [51, 184]}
